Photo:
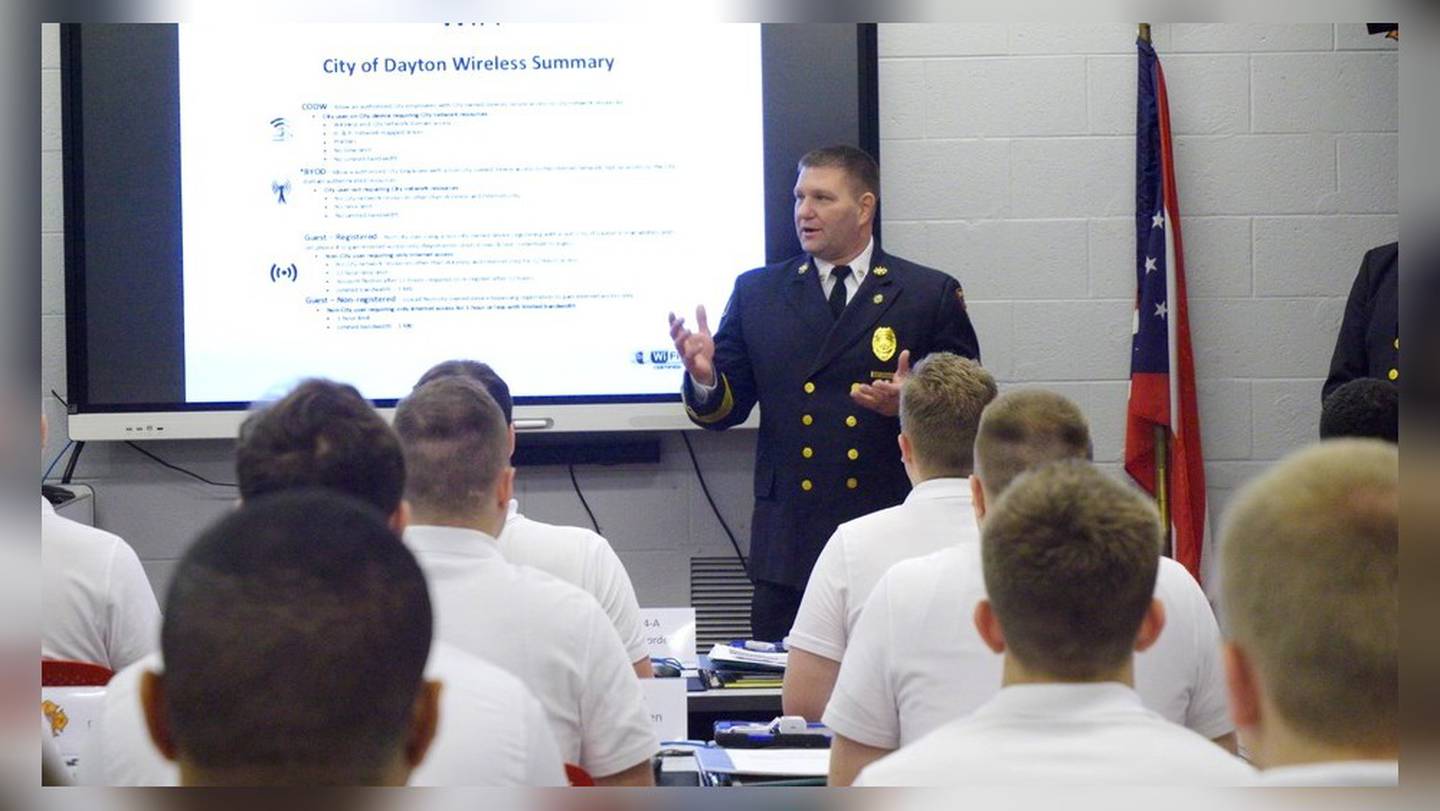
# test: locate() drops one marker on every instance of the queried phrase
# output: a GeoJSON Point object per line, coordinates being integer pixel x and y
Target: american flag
{"type": "Point", "coordinates": [1162, 365]}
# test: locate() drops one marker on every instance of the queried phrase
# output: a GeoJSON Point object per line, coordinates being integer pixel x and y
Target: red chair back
{"type": "Point", "coordinates": [578, 776]}
{"type": "Point", "coordinates": [65, 673]}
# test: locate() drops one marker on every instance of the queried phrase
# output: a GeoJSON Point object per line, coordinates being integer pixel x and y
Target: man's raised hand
{"type": "Point", "coordinates": [697, 349]}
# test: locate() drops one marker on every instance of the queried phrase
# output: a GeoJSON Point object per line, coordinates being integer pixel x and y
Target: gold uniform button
{"type": "Point", "coordinates": [1397, 343]}
{"type": "Point", "coordinates": [807, 452]}
{"type": "Point", "coordinates": [806, 484]}
{"type": "Point", "coordinates": [809, 388]}
{"type": "Point", "coordinates": [1394, 374]}
{"type": "Point", "coordinates": [854, 387]}
{"type": "Point", "coordinates": [853, 454]}
{"type": "Point", "coordinates": [806, 419]}
{"type": "Point", "coordinates": [851, 421]}
{"type": "Point", "coordinates": [852, 483]}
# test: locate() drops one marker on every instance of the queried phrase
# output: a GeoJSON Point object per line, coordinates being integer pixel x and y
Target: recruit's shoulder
{"type": "Point", "coordinates": [57, 529]}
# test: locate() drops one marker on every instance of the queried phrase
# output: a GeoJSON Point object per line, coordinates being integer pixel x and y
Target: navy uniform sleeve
{"type": "Point", "coordinates": [735, 392]}
{"type": "Point", "coordinates": [953, 330]}
{"type": "Point", "coordinates": [1349, 360]}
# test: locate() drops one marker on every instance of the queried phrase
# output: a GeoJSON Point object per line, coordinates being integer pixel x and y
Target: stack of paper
{"type": "Point", "coordinates": [729, 657]}
{"type": "Point", "coordinates": [722, 766]}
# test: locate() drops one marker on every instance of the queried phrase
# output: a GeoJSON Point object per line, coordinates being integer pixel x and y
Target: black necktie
{"type": "Point", "coordinates": [837, 293]}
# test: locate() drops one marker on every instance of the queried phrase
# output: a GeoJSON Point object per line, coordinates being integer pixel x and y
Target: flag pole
{"type": "Point", "coordinates": [1162, 489]}
{"type": "Point", "coordinates": [1162, 435]}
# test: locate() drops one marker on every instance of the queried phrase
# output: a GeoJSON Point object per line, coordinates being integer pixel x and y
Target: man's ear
{"type": "Point", "coordinates": [424, 723]}
{"type": "Point", "coordinates": [977, 497]}
{"type": "Point", "coordinates": [907, 451]}
{"type": "Point", "coordinates": [1243, 684]}
{"type": "Point", "coordinates": [157, 721]}
{"type": "Point", "coordinates": [1150, 626]}
{"type": "Point", "coordinates": [989, 627]}
{"type": "Point", "coordinates": [867, 207]}
{"type": "Point", "coordinates": [400, 519]}
{"type": "Point", "coordinates": [511, 428]}
{"type": "Point", "coordinates": [506, 487]}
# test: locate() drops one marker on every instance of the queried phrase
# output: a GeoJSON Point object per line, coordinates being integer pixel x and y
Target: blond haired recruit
{"type": "Point", "coordinates": [940, 405]}
{"type": "Point", "coordinates": [1310, 561]}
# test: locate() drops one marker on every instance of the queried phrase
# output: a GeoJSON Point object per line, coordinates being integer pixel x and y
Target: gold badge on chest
{"type": "Point", "coordinates": [883, 343]}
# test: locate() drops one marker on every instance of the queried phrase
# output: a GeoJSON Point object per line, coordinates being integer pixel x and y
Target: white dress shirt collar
{"type": "Point", "coordinates": [944, 488]}
{"type": "Point", "coordinates": [859, 266]}
{"type": "Point", "coordinates": [1059, 701]}
{"type": "Point", "coordinates": [451, 541]}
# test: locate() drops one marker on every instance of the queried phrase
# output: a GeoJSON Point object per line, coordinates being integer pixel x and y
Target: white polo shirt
{"type": "Point", "coordinates": [916, 661]}
{"type": "Point", "coordinates": [937, 514]}
{"type": "Point", "coordinates": [582, 558]}
{"type": "Point", "coordinates": [1335, 773]}
{"type": "Point", "coordinates": [550, 634]}
{"type": "Point", "coordinates": [96, 602]}
{"type": "Point", "coordinates": [492, 732]}
{"type": "Point", "coordinates": [1060, 734]}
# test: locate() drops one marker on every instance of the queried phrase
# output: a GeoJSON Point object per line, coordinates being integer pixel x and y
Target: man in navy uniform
{"type": "Point", "coordinates": [821, 342]}
{"type": "Point", "coordinates": [1368, 344]}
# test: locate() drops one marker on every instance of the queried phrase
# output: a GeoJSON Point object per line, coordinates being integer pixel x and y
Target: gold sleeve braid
{"type": "Point", "coordinates": [727, 404]}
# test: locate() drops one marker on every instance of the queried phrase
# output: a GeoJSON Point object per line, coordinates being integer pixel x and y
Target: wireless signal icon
{"type": "Point", "coordinates": [288, 273]}
{"type": "Point", "coordinates": [280, 129]}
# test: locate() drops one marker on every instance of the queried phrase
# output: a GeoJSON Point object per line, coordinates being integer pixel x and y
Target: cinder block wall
{"type": "Point", "coordinates": [1008, 160]}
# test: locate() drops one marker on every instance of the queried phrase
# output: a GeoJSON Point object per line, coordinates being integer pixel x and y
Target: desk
{"type": "Point", "coordinates": [729, 704]}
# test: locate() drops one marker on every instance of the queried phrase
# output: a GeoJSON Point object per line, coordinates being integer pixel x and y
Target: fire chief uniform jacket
{"type": "Point", "coordinates": [821, 458]}
{"type": "Point", "coordinates": [1368, 344]}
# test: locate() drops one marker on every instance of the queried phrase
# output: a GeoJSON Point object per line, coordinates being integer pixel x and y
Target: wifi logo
{"type": "Point", "coordinates": [288, 273]}
{"type": "Point", "coordinates": [280, 129]}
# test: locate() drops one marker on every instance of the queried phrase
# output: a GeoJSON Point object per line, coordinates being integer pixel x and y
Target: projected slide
{"type": "Point", "coordinates": [362, 201]}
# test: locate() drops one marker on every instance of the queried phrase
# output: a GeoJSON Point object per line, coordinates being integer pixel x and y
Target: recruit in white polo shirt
{"type": "Point", "coordinates": [916, 661]}
{"type": "Point", "coordinates": [492, 731]}
{"type": "Point", "coordinates": [583, 558]}
{"type": "Point", "coordinates": [550, 634]}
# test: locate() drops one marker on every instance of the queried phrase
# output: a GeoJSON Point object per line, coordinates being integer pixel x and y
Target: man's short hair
{"type": "Point", "coordinates": [1364, 407]}
{"type": "Point", "coordinates": [321, 434]}
{"type": "Point", "coordinates": [456, 445]}
{"type": "Point", "coordinates": [1310, 564]}
{"type": "Point", "coordinates": [1070, 559]}
{"type": "Point", "coordinates": [856, 163]}
{"type": "Point", "coordinates": [479, 372]}
{"type": "Point", "coordinates": [1023, 429]}
{"type": "Point", "coordinates": [940, 407]}
{"type": "Point", "coordinates": [295, 638]}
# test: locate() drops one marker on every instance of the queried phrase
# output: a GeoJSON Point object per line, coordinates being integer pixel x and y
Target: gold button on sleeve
{"type": "Point", "coordinates": [807, 452]}
{"type": "Point", "coordinates": [852, 483]}
{"type": "Point", "coordinates": [853, 454]}
{"type": "Point", "coordinates": [1394, 374]}
{"type": "Point", "coordinates": [806, 419]}
{"type": "Point", "coordinates": [854, 387]}
{"type": "Point", "coordinates": [851, 421]}
{"type": "Point", "coordinates": [809, 388]}
{"type": "Point", "coordinates": [806, 484]}
{"type": "Point", "coordinates": [1397, 343]}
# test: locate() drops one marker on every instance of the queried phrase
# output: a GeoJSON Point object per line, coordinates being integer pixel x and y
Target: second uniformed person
{"type": "Point", "coordinates": [818, 342]}
{"type": "Point", "coordinates": [1368, 344]}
